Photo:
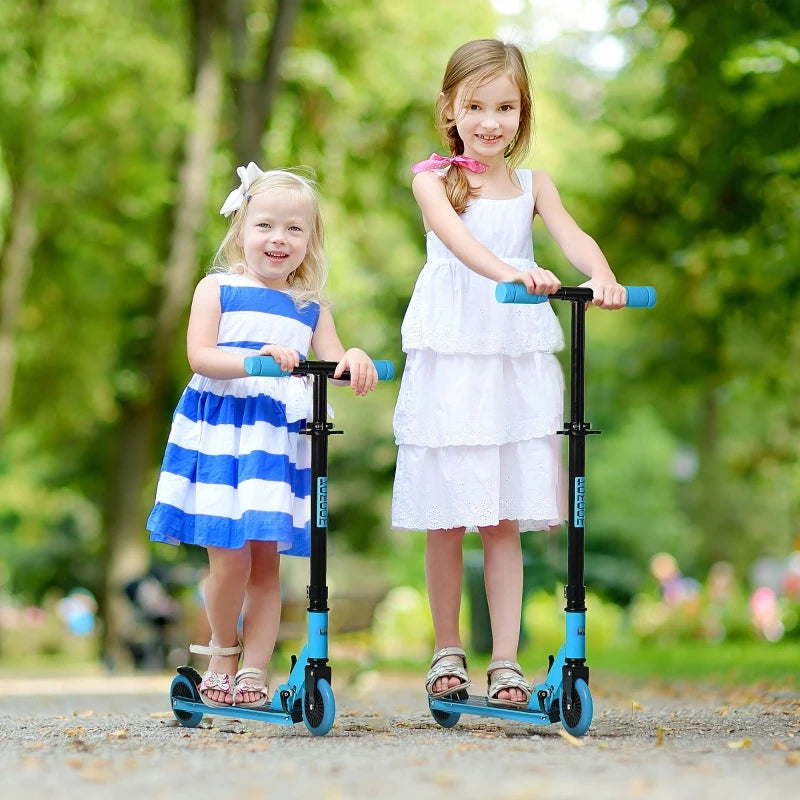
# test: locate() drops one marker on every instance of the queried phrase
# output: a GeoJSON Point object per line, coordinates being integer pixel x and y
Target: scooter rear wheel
{"type": "Point", "coordinates": [319, 720]}
{"type": "Point", "coordinates": [182, 687]}
{"type": "Point", "coordinates": [445, 718]}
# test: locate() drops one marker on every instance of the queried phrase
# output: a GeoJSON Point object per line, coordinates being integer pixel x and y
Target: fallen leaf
{"type": "Point", "coordinates": [780, 746]}
{"type": "Point", "coordinates": [659, 736]}
{"type": "Point", "coordinates": [637, 706]}
{"type": "Point", "coordinates": [573, 740]}
{"type": "Point", "coordinates": [741, 743]}
{"type": "Point", "coordinates": [793, 759]}
{"type": "Point", "coordinates": [81, 746]}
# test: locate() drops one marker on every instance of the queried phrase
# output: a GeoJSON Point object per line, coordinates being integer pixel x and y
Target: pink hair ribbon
{"type": "Point", "coordinates": [437, 162]}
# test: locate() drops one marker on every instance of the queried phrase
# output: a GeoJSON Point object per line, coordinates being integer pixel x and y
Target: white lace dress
{"type": "Point", "coordinates": [481, 396]}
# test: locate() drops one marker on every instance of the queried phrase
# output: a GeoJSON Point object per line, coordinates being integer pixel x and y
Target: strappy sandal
{"type": "Point", "coordinates": [219, 681]}
{"type": "Point", "coordinates": [449, 662]}
{"type": "Point", "coordinates": [511, 679]}
{"type": "Point", "coordinates": [250, 679]}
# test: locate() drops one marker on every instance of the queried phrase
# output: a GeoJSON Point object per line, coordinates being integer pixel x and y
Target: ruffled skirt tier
{"type": "Point", "coordinates": [479, 407]}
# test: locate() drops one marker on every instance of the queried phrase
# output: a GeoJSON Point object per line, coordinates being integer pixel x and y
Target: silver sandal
{"type": "Point", "coordinates": [449, 662]}
{"type": "Point", "coordinates": [250, 679]}
{"type": "Point", "coordinates": [512, 679]}
{"type": "Point", "coordinates": [219, 681]}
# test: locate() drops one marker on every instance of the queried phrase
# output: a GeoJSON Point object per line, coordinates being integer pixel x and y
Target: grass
{"type": "Point", "coordinates": [722, 663]}
{"type": "Point", "coordinates": [726, 663]}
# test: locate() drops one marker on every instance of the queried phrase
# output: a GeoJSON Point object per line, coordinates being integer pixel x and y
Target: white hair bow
{"type": "Point", "coordinates": [235, 199]}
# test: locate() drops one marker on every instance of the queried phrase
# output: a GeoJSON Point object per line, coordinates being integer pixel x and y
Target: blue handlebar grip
{"type": "Point", "coordinates": [517, 293]}
{"type": "Point", "coordinates": [265, 366]}
{"type": "Point", "coordinates": [641, 296]}
{"type": "Point", "coordinates": [385, 370]}
{"type": "Point", "coordinates": [638, 296]}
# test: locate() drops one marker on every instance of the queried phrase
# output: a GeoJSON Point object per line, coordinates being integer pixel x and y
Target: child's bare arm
{"type": "Point", "coordinates": [205, 358]}
{"type": "Point", "coordinates": [328, 347]}
{"type": "Point", "coordinates": [580, 249]}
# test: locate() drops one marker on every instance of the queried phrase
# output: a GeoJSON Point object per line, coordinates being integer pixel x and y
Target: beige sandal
{"type": "Point", "coordinates": [512, 678]}
{"type": "Point", "coordinates": [219, 681]}
{"type": "Point", "coordinates": [449, 662]}
{"type": "Point", "coordinates": [250, 679]}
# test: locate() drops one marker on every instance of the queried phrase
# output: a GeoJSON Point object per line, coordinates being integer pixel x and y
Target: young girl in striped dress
{"type": "Point", "coordinates": [236, 473]}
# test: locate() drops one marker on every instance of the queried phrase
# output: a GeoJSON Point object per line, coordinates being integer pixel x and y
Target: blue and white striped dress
{"type": "Point", "coordinates": [236, 467]}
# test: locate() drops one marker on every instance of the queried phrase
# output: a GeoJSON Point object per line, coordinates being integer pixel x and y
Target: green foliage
{"type": "Point", "coordinates": [633, 503]}
{"type": "Point", "coordinates": [705, 208]}
{"type": "Point", "coordinates": [50, 540]}
{"type": "Point", "coordinates": [543, 620]}
{"type": "Point", "coordinates": [684, 166]}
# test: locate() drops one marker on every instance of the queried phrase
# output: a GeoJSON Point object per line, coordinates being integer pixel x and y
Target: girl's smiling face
{"type": "Point", "coordinates": [487, 119]}
{"type": "Point", "coordinates": [275, 237]}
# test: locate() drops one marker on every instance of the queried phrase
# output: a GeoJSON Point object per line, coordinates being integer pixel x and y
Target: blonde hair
{"type": "Point", "coordinates": [307, 281]}
{"type": "Point", "coordinates": [472, 65]}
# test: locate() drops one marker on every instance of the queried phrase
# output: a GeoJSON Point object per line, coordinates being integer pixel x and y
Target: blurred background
{"type": "Point", "coordinates": [671, 129]}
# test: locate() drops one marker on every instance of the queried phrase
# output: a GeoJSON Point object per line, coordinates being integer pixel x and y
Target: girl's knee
{"type": "Point", "coordinates": [266, 562]}
{"type": "Point", "coordinates": [229, 564]}
{"type": "Point", "coordinates": [505, 530]}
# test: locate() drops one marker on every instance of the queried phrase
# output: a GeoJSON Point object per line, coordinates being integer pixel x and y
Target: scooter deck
{"type": "Point", "coordinates": [265, 714]}
{"type": "Point", "coordinates": [480, 706]}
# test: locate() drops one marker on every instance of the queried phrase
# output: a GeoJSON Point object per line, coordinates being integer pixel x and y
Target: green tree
{"type": "Point", "coordinates": [704, 206]}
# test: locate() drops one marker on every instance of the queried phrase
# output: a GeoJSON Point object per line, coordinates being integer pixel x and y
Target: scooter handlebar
{"type": "Point", "coordinates": [638, 296]}
{"type": "Point", "coordinates": [267, 367]}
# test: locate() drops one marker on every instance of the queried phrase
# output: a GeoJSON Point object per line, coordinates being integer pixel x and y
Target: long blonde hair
{"type": "Point", "coordinates": [470, 66]}
{"type": "Point", "coordinates": [307, 281]}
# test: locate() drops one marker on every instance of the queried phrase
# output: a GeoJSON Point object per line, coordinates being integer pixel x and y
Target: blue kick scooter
{"type": "Point", "coordinates": [307, 695]}
{"type": "Point", "coordinates": [564, 695]}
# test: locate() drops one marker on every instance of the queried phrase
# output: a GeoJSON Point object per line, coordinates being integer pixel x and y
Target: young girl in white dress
{"type": "Point", "coordinates": [482, 392]}
{"type": "Point", "coordinates": [236, 472]}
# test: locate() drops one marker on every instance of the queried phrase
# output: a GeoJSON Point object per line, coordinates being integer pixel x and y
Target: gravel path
{"type": "Point", "coordinates": [115, 737]}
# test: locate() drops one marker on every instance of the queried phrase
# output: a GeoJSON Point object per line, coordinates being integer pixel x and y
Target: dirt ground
{"type": "Point", "coordinates": [116, 737]}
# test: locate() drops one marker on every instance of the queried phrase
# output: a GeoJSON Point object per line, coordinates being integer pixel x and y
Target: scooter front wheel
{"type": "Point", "coordinates": [182, 687]}
{"type": "Point", "coordinates": [319, 719]}
{"type": "Point", "coordinates": [578, 719]}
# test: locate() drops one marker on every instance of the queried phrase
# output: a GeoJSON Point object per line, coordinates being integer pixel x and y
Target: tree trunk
{"type": "Point", "coordinates": [127, 552]}
{"type": "Point", "coordinates": [16, 259]}
{"type": "Point", "coordinates": [255, 96]}
{"type": "Point", "coordinates": [711, 505]}
{"type": "Point", "coordinates": [17, 264]}
{"type": "Point", "coordinates": [127, 555]}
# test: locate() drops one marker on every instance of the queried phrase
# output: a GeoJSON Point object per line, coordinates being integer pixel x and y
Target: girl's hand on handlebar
{"type": "Point", "coordinates": [363, 375]}
{"type": "Point", "coordinates": [286, 357]}
{"type": "Point", "coordinates": [538, 281]}
{"type": "Point", "coordinates": [608, 293]}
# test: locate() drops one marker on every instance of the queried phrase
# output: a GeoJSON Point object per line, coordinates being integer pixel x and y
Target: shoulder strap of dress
{"type": "Point", "coordinates": [525, 178]}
